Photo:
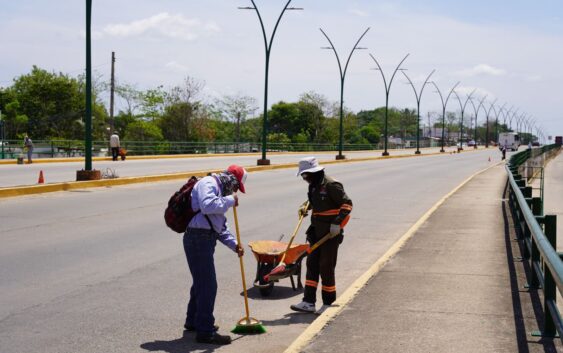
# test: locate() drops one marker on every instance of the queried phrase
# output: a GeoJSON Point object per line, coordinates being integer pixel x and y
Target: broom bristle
{"type": "Point", "coordinates": [249, 329]}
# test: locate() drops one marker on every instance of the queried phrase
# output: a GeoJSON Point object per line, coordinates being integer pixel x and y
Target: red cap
{"type": "Point", "coordinates": [239, 173]}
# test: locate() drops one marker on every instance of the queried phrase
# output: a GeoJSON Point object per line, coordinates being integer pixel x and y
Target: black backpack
{"type": "Point", "coordinates": [179, 212]}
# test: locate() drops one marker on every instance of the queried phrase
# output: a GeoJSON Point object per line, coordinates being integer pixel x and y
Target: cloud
{"type": "Point", "coordinates": [482, 69]}
{"type": "Point", "coordinates": [176, 66]}
{"type": "Point", "coordinates": [164, 25]}
{"type": "Point", "coordinates": [358, 12]}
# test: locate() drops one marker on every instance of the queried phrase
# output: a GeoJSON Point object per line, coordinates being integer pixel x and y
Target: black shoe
{"type": "Point", "coordinates": [192, 328]}
{"type": "Point", "coordinates": [214, 339]}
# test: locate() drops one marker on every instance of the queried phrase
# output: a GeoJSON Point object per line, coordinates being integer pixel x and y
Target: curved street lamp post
{"type": "Point", "coordinates": [342, 78]}
{"type": "Point", "coordinates": [487, 139]}
{"type": "Point", "coordinates": [497, 113]}
{"type": "Point", "coordinates": [418, 97]}
{"type": "Point", "coordinates": [387, 90]}
{"type": "Point", "coordinates": [444, 104]}
{"type": "Point", "coordinates": [268, 48]}
{"type": "Point", "coordinates": [462, 107]}
{"type": "Point", "coordinates": [476, 110]}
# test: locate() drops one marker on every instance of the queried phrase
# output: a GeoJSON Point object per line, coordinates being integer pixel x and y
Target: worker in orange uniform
{"type": "Point", "coordinates": [331, 209]}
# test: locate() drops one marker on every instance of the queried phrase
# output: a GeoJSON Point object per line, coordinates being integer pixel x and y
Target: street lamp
{"type": "Point", "coordinates": [418, 96]}
{"type": "Point", "coordinates": [462, 107]}
{"type": "Point", "coordinates": [511, 117]}
{"type": "Point", "coordinates": [387, 90]}
{"type": "Point", "coordinates": [497, 113]}
{"type": "Point", "coordinates": [268, 48]}
{"type": "Point", "coordinates": [506, 117]}
{"type": "Point", "coordinates": [487, 122]}
{"type": "Point", "coordinates": [342, 78]}
{"type": "Point", "coordinates": [88, 120]}
{"type": "Point", "coordinates": [444, 104]}
{"type": "Point", "coordinates": [476, 110]}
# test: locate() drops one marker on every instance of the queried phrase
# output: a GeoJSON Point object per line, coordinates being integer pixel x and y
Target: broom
{"type": "Point", "coordinates": [279, 270]}
{"type": "Point", "coordinates": [247, 324]}
{"type": "Point", "coordinates": [281, 266]}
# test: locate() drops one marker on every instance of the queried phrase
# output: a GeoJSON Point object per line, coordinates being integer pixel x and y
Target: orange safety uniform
{"type": "Point", "coordinates": [330, 205]}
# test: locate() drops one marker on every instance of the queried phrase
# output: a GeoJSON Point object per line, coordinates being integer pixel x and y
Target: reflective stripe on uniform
{"type": "Point", "coordinates": [329, 289]}
{"type": "Point", "coordinates": [311, 283]}
{"type": "Point", "coordinates": [327, 213]}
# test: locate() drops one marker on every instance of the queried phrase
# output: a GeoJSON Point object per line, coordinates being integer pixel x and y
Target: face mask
{"type": "Point", "coordinates": [229, 182]}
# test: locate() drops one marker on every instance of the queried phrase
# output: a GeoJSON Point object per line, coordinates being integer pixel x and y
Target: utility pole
{"type": "Point", "coordinates": [112, 91]}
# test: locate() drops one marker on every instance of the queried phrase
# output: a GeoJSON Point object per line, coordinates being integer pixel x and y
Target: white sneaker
{"type": "Point", "coordinates": [322, 309]}
{"type": "Point", "coordinates": [304, 307]}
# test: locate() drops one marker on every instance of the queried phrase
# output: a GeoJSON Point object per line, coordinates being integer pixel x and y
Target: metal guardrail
{"type": "Point", "coordinates": [538, 233]}
{"type": "Point", "coordinates": [71, 148]}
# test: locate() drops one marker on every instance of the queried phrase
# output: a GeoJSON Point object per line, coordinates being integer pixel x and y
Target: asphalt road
{"type": "Point", "coordinates": [98, 271]}
{"type": "Point", "coordinates": [28, 174]}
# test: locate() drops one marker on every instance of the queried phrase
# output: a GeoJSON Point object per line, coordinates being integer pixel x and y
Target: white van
{"type": "Point", "coordinates": [510, 140]}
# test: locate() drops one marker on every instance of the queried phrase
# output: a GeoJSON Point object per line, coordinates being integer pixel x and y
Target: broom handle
{"type": "Point", "coordinates": [241, 265]}
{"type": "Point", "coordinates": [294, 233]}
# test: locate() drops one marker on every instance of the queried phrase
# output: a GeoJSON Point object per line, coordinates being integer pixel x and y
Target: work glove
{"type": "Point", "coordinates": [236, 200]}
{"type": "Point", "coordinates": [334, 230]}
{"type": "Point", "coordinates": [303, 209]}
{"type": "Point", "coordinates": [239, 250]}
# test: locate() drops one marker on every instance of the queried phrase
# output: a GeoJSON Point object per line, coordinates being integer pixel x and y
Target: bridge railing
{"type": "Point", "coordinates": [74, 148]}
{"type": "Point", "coordinates": [538, 234]}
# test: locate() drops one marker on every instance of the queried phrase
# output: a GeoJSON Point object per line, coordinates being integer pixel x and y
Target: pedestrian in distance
{"type": "Point", "coordinates": [212, 196]}
{"type": "Point", "coordinates": [114, 145]}
{"type": "Point", "coordinates": [331, 209]}
{"type": "Point", "coordinates": [503, 150]}
{"type": "Point", "coordinates": [28, 147]}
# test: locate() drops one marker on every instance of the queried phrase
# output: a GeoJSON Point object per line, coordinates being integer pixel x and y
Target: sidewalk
{"type": "Point", "coordinates": [454, 287]}
{"type": "Point", "coordinates": [553, 184]}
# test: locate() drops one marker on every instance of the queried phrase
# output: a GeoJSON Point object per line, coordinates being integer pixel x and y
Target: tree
{"type": "Point", "coordinates": [323, 106]}
{"type": "Point", "coordinates": [236, 108]}
{"type": "Point", "coordinates": [52, 105]}
{"type": "Point", "coordinates": [295, 118]}
{"type": "Point", "coordinates": [143, 131]}
{"type": "Point", "coordinates": [131, 96]}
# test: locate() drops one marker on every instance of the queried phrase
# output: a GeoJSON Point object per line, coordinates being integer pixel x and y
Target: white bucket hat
{"type": "Point", "coordinates": [309, 165]}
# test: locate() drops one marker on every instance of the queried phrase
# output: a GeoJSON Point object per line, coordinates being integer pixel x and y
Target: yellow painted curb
{"type": "Point", "coordinates": [331, 313]}
{"type": "Point", "coordinates": [73, 185]}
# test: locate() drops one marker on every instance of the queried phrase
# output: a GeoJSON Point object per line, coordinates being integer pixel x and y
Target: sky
{"type": "Point", "coordinates": [510, 51]}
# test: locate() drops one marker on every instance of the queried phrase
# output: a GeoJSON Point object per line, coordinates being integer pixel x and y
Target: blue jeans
{"type": "Point", "coordinates": [199, 245]}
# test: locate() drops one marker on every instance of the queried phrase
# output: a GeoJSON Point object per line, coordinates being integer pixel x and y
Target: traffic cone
{"type": "Point", "coordinates": [41, 180]}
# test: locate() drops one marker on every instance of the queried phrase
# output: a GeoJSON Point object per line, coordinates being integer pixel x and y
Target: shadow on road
{"type": "Point", "coordinates": [278, 293]}
{"type": "Point", "coordinates": [184, 344]}
{"type": "Point", "coordinates": [291, 318]}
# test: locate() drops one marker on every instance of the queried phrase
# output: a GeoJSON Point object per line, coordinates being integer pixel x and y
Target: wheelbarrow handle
{"type": "Point", "coordinates": [301, 216]}
{"type": "Point", "coordinates": [314, 247]}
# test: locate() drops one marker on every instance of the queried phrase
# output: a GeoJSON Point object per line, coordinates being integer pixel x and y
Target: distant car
{"type": "Point", "coordinates": [536, 144]}
{"type": "Point", "coordinates": [471, 143]}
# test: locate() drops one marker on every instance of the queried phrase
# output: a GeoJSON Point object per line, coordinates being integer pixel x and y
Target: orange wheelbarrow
{"type": "Point", "coordinates": [268, 254]}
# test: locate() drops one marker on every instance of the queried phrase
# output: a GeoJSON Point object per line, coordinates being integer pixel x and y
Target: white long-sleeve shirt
{"type": "Point", "coordinates": [114, 141]}
{"type": "Point", "coordinates": [206, 197]}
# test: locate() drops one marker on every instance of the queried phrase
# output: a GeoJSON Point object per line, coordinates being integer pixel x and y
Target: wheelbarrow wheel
{"type": "Point", "coordinates": [265, 288]}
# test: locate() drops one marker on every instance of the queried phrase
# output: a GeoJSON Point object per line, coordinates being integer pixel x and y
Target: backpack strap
{"type": "Point", "coordinates": [206, 217]}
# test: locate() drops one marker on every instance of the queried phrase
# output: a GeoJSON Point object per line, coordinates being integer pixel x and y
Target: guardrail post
{"type": "Point", "coordinates": [550, 288]}
{"type": "Point", "coordinates": [534, 258]}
